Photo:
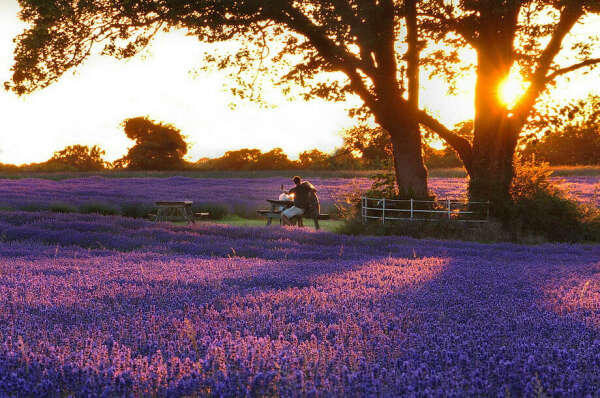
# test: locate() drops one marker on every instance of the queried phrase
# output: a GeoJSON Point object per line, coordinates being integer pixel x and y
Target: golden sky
{"type": "Point", "coordinates": [87, 107]}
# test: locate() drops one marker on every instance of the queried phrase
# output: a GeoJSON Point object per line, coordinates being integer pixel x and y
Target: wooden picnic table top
{"type": "Point", "coordinates": [174, 203]}
{"type": "Point", "coordinates": [280, 202]}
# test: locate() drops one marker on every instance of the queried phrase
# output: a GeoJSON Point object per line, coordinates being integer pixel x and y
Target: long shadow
{"type": "Point", "coordinates": [489, 333]}
{"type": "Point", "coordinates": [477, 328]}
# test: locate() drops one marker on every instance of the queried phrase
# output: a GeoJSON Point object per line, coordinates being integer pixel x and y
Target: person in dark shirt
{"type": "Point", "coordinates": [301, 192]}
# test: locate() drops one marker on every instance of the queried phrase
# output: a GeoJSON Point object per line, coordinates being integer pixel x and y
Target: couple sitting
{"type": "Point", "coordinates": [306, 203]}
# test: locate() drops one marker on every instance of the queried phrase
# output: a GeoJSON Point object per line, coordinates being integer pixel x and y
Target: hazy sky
{"type": "Point", "coordinates": [87, 107]}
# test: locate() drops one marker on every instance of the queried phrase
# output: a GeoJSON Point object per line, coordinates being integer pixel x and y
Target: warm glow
{"type": "Point", "coordinates": [511, 90]}
{"type": "Point", "coordinates": [87, 107]}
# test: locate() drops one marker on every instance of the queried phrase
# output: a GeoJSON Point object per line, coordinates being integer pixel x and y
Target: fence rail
{"type": "Point", "coordinates": [423, 210]}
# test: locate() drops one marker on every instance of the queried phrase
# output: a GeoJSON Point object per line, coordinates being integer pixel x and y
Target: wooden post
{"type": "Point", "coordinates": [411, 208]}
{"type": "Point", "coordinates": [449, 211]}
{"type": "Point", "coordinates": [383, 212]}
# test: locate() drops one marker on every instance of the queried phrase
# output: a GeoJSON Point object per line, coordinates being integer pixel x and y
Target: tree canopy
{"type": "Point", "coordinates": [77, 158]}
{"type": "Point", "coordinates": [157, 146]}
{"type": "Point", "coordinates": [374, 49]}
{"type": "Point", "coordinates": [568, 135]}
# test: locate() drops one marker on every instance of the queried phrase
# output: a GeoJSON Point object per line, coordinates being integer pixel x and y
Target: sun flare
{"type": "Point", "coordinates": [512, 89]}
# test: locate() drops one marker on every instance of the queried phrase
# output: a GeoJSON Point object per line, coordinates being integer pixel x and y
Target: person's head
{"type": "Point", "coordinates": [297, 180]}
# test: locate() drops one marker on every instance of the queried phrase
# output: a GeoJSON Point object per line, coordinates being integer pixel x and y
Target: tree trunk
{"type": "Point", "coordinates": [411, 174]}
{"type": "Point", "coordinates": [495, 135]}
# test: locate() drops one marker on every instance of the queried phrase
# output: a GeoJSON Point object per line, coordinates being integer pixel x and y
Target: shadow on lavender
{"type": "Point", "coordinates": [307, 313]}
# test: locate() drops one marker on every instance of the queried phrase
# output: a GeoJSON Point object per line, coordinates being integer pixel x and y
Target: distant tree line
{"type": "Point", "coordinates": [570, 135]}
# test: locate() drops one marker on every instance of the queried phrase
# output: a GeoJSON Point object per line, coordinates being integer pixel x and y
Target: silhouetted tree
{"type": "Point", "coordinates": [360, 39]}
{"type": "Point", "coordinates": [343, 159]}
{"type": "Point", "coordinates": [569, 135]}
{"type": "Point", "coordinates": [372, 145]}
{"type": "Point", "coordinates": [313, 159]}
{"type": "Point", "coordinates": [157, 146]}
{"type": "Point", "coordinates": [275, 159]}
{"type": "Point", "coordinates": [242, 159]}
{"type": "Point", "coordinates": [76, 158]}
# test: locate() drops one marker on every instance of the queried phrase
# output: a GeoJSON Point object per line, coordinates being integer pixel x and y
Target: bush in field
{"type": "Point", "coordinates": [136, 209]}
{"type": "Point", "coordinates": [98, 208]}
{"type": "Point", "coordinates": [32, 206]}
{"type": "Point", "coordinates": [216, 211]}
{"type": "Point", "coordinates": [62, 207]}
{"type": "Point", "coordinates": [442, 229]}
{"type": "Point", "coordinates": [540, 208]}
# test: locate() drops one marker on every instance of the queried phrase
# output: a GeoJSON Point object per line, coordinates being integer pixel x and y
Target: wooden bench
{"type": "Point", "coordinates": [276, 214]}
{"type": "Point", "coordinates": [270, 215]}
{"type": "Point", "coordinates": [321, 216]}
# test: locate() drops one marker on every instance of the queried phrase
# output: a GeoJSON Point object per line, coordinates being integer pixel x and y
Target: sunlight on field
{"type": "Point", "coordinates": [123, 307]}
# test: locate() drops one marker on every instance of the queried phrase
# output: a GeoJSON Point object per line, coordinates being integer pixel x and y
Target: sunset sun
{"type": "Point", "coordinates": [511, 89]}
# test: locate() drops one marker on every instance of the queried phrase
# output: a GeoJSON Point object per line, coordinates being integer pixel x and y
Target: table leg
{"type": "Point", "coordinates": [190, 214]}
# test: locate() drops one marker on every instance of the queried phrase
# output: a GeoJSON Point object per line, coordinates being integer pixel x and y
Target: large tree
{"type": "Point", "coordinates": [314, 42]}
{"type": "Point", "coordinates": [529, 36]}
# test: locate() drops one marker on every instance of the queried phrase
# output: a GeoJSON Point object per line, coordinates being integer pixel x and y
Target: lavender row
{"type": "Point", "coordinates": [106, 306]}
{"type": "Point", "coordinates": [237, 194]}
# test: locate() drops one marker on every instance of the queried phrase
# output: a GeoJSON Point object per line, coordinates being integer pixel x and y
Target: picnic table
{"type": "Point", "coordinates": [175, 210]}
{"type": "Point", "coordinates": [275, 210]}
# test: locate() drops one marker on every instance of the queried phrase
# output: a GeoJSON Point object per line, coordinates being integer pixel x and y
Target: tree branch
{"type": "Point", "coordinates": [461, 145]}
{"type": "Point", "coordinates": [574, 67]}
{"type": "Point", "coordinates": [569, 16]}
{"type": "Point", "coordinates": [331, 52]}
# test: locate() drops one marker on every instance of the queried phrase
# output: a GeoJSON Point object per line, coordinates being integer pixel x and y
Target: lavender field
{"type": "Point", "coordinates": [239, 195]}
{"type": "Point", "coordinates": [109, 306]}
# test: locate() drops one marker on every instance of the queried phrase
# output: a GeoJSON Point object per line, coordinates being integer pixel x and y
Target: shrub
{"type": "Point", "coordinates": [540, 208]}
{"type": "Point", "coordinates": [98, 208]}
{"type": "Point", "coordinates": [33, 206]}
{"type": "Point", "coordinates": [62, 207]}
{"type": "Point", "coordinates": [443, 229]}
{"type": "Point", "coordinates": [244, 210]}
{"type": "Point", "coordinates": [216, 211]}
{"type": "Point", "coordinates": [136, 209]}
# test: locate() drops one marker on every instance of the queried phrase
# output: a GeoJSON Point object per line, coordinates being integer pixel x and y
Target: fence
{"type": "Point", "coordinates": [423, 210]}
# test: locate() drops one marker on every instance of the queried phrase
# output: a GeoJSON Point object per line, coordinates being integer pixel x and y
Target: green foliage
{"type": "Point", "coordinates": [136, 209]}
{"type": "Point", "coordinates": [98, 208]}
{"type": "Point", "coordinates": [216, 211]}
{"type": "Point", "coordinates": [157, 146]}
{"type": "Point", "coordinates": [250, 159]}
{"type": "Point", "coordinates": [275, 159]}
{"type": "Point", "coordinates": [62, 207]}
{"type": "Point", "coordinates": [372, 146]}
{"type": "Point", "coordinates": [33, 206]}
{"type": "Point", "coordinates": [440, 158]}
{"type": "Point", "coordinates": [442, 229]}
{"type": "Point", "coordinates": [314, 160]}
{"type": "Point", "coordinates": [76, 158]}
{"type": "Point", "coordinates": [540, 208]}
{"type": "Point", "coordinates": [384, 186]}
{"type": "Point", "coordinates": [570, 134]}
